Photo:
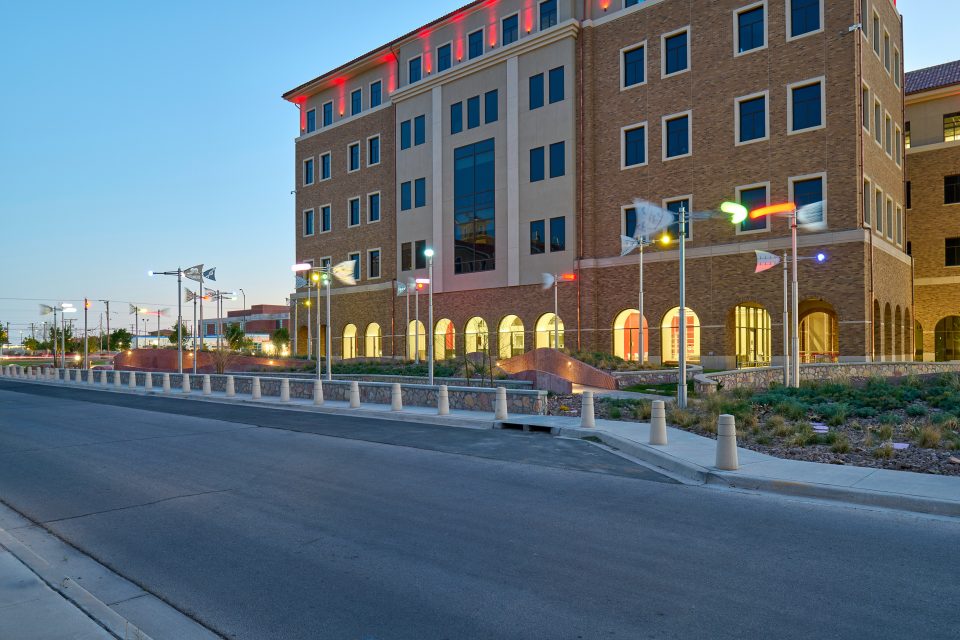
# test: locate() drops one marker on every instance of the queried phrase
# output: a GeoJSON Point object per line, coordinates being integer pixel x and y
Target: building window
{"type": "Point", "coordinates": [865, 107]}
{"type": "Point", "coordinates": [373, 151]}
{"type": "Point", "coordinates": [558, 234]}
{"type": "Point", "coordinates": [376, 94]}
{"type": "Point", "coordinates": [867, 220]}
{"type": "Point", "coordinates": [419, 260]}
{"type": "Point", "coordinates": [674, 229]}
{"type": "Point", "coordinates": [908, 195]}
{"type": "Point", "coordinates": [803, 17]}
{"type": "Point", "coordinates": [676, 136]}
{"type": "Point", "coordinates": [353, 212]}
{"type": "Point", "coordinates": [629, 221]}
{"type": "Point", "coordinates": [752, 118]}
{"type": "Point", "coordinates": [634, 152]}
{"type": "Point", "coordinates": [325, 166]}
{"type": "Point", "coordinates": [536, 91]}
{"type": "Point", "coordinates": [877, 122]}
{"type": "Point", "coordinates": [754, 338]}
{"type": "Point", "coordinates": [308, 222]}
{"type": "Point", "coordinates": [356, 101]}
{"type": "Point", "coordinates": [906, 135]}
{"type": "Point", "coordinates": [952, 252]}
{"type": "Point", "coordinates": [889, 219]}
{"type": "Point", "coordinates": [548, 14]}
{"type": "Point", "coordinates": [325, 218]}
{"type": "Point", "coordinates": [899, 226]}
{"type": "Point", "coordinates": [754, 197]}
{"type": "Point", "coordinates": [456, 117]}
{"type": "Point", "coordinates": [373, 207]}
{"type": "Point", "coordinates": [876, 33]}
{"type": "Point", "coordinates": [311, 120]}
{"type": "Point", "coordinates": [405, 134]}
{"type": "Point", "coordinates": [676, 53]}
{"type": "Point", "coordinates": [806, 108]}
{"type": "Point", "coordinates": [886, 51]}
{"type": "Point", "coordinates": [804, 191]}
{"type": "Point", "coordinates": [475, 44]}
{"type": "Point", "coordinates": [355, 257]}
{"type": "Point", "coordinates": [751, 29]}
{"type": "Point", "coordinates": [896, 67]}
{"type": "Point", "coordinates": [444, 59]}
{"type": "Point", "coordinates": [474, 185]}
{"type": "Point", "coordinates": [537, 234]}
{"type": "Point", "coordinates": [898, 146]}
{"type": "Point", "coordinates": [878, 209]}
{"type": "Point", "coordinates": [634, 62]}
{"type": "Point", "coordinates": [327, 113]}
{"type": "Point", "coordinates": [406, 251]}
{"type": "Point", "coordinates": [556, 84]}
{"type": "Point", "coordinates": [419, 130]}
{"type": "Point", "coordinates": [629, 3]}
{"type": "Point", "coordinates": [557, 159]}
{"type": "Point", "coordinates": [491, 104]}
{"type": "Point", "coordinates": [353, 157]}
{"type": "Point", "coordinates": [373, 264]}
{"type": "Point", "coordinates": [510, 30]}
{"type": "Point", "coordinates": [951, 127]}
{"type": "Point", "coordinates": [308, 172]}
{"type": "Point", "coordinates": [420, 192]}
{"type": "Point", "coordinates": [888, 135]}
{"type": "Point", "coordinates": [951, 189]}
{"type": "Point", "coordinates": [537, 171]}
{"type": "Point", "coordinates": [473, 112]}
{"type": "Point", "coordinates": [406, 196]}
{"type": "Point", "coordinates": [414, 70]}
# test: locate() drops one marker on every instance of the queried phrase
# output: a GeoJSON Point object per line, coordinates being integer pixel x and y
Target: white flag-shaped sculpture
{"type": "Point", "coordinates": [134, 309]}
{"type": "Point", "coordinates": [548, 280]}
{"type": "Point", "coordinates": [810, 216]}
{"type": "Point", "coordinates": [189, 295]}
{"type": "Point", "coordinates": [766, 260]}
{"type": "Point", "coordinates": [628, 244]}
{"type": "Point", "coordinates": [45, 309]}
{"type": "Point", "coordinates": [651, 218]}
{"type": "Point", "coordinates": [300, 282]}
{"type": "Point", "coordinates": [210, 274]}
{"type": "Point", "coordinates": [344, 271]}
{"type": "Point", "coordinates": [195, 273]}
{"type": "Point", "coordinates": [401, 288]}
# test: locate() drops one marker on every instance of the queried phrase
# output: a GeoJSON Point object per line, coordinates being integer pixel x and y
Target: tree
{"type": "Point", "coordinates": [280, 339]}
{"type": "Point", "coordinates": [119, 340]}
{"type": "Point", "coordinates": [236, 338]}
{"type": "Point", "coordinates": [32, 344]}
{"type": "Point", "coordinates": [4, 338]}
{"type": "Point", "coordinates": [180, 335]}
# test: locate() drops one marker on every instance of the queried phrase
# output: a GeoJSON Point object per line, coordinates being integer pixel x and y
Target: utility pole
{"type": "Point", "coordinates": [86, 354]}
{"type": "Point", "coordinates": [107, 302]}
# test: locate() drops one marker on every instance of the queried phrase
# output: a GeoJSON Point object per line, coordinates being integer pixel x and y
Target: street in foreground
{"type": "Point", "coordinates": [259, 524]}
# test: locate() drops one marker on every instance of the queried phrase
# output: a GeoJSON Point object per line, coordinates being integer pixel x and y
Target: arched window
{"type": "Point", "coordinates": [887, 332]}
{"type": "Point", "coordinates": [818, 332]}
{"type": "Point", "coordinates": [416, 341]}
{"type": "Point", "coordinates": [877, 332]}
{"type": "Point", "coordinates": [918, 342]}
{"type": "Point", "coordinates": [626, 336]}
{"type": "Point", "coordinates": [476, 336]}
{"type": "Point", "coordinates": [549, 332]}
{"type": "Point", "coordinates": [898, 335]}
{"type": "Point", "coordinates": [670, 336]}
{"type": "Point", "coordinates": [444, 343]}
{"type": "Point", "coordinates": [373, 343]}
{"type": "Point", "coordinates": [510, 337]}
{"type": "Point", "coordinates": [350, 341]}
{"type": "Point", "coordinates": [946, 339]}
{"type": "Point", "coordinates": [754, 348]}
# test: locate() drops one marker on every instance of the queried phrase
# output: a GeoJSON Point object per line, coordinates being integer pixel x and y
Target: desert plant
{"type": "Point", "coordinates": [683, 418]}
{"type": "Point", "coordinates": [791, 409]}
{"type": "Point", "coordinates": [841, 444]}
{"type": "Point", "coordinates": [803, 435]}
{"type": "Point", "coordinates": [774, 422]}
{"type": "Point", "coordinates": [929, 437]}
{"type": "Point", "coordinates": [884, 451]}
{"type": "Point", "coordinates": [885, 432]}
{"type": "Point", "coordinates": [916, 410]}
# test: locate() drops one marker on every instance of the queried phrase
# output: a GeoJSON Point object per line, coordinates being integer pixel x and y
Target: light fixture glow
{"type": "Point", "coordinates": [300, 266]}
{"type": "Point", "coordinates": [737, 212]}
{"type": "Point", "coordinates": [821, 257]}
{"type": "Point", "coordinates": [428, 253]}
{"type": "Point", "coordinates": [773, 209]}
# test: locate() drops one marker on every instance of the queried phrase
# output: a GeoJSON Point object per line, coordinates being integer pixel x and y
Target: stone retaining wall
{"type": "Point", "coordinates": [652, 376]}
{"type": "Point", "coordinates": [375, 377]}
{"type": "Point", "coordinates": [854, 372]}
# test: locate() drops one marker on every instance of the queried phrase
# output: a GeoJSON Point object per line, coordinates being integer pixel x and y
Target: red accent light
{"type": "Point", "coordinates": [420, 286]}
{"type": "Point", "coordinates": [568, 277]}
{"type": "Point", "coordinates": [772, 209]}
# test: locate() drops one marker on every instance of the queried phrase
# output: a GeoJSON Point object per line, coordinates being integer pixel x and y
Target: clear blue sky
{"type": "Point", "coordinates": [138, 136]}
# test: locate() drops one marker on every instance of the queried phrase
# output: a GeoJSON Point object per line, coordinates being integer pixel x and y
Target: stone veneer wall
{"type": "Point", "coordinates": [855, 373]}
{"type": "Point", "coordinates": [459, 382]}
{"type": "Point", "coordinates": [652, 376]}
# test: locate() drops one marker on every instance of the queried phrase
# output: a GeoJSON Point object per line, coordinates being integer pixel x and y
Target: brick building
{"type": "Point", "coordinates": [512, 138]}
{"type": "Point", "coordinates": [933, 200]}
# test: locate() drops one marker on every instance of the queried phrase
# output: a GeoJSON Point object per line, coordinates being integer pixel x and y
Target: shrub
{"type": "Point", "coordinates": [682, 418]}
{"type": "Point", "coordinates": [929, 437]}
{"type": "Point", "coordinates": [783, 430]}
{"type": "Point", "coordinates": [841, 444]}
{"type": "Point", "coordinates": [774, 422]}
{"type": "Point", "coordinates": [791, 409]}
{"type": "Point", "coordinates": [884, 451]}
{"type": "Point", "coordinates": [864, 411]}
{"type": "Point", "coordinates": [916, 410]}
{"type": "Point", "coordinates": [763, 439]}
{"type": "Point", "coordinates": [803, 435]}
{"type": "Point", "coordinates": [885, 432]}
{"type": "Point", "coordinates": [615, 413]}
{"type": "Point", "coordinates": [889, 419]}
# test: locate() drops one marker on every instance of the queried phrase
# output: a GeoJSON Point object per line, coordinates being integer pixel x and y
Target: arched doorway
{"type": "Point", "coordinates": [819, 341]}
{"type": "Point", "coordinates": [907, 330]}
{"type": "Point", "coordinates": [350, 342]}
{"type": "Point", "coordinates": [898, 334]}
{"type": "Point", "coordinates": [754, 338]}
{"type": "Point", "coordinates": [510, 337]}
{"type": "Point", "coordinates": [416, 341]}
{"type": "Point", "coordinates": [626, 336]}
{"type": "Point", "coordinates": [476, 336]}
{"type": "Point", "coordinates": [946, 339]}
{"type": "Point", "coordinates": [887, 332]}
{"type": "Point", "coordinates": [549, 332]}
{"type": "Point", "coordinates": [373, 341]}
{"type": "Point", "coordinates": [670, 336]}
{"type": "Point", "coordinates": [444, 340]}
{"type": "Point", "coordinates": [302, 346]}
{"type": "Point", "coordinates": [918, 342]}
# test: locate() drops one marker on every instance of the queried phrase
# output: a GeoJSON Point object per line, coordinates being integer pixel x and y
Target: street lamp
{"type": "Point", "coordinates": [430, 331]}
{"type": "Point", "coordinates": [179, 274]}
{"type": "Point", "coordinates": [553, 280]}
{"type": "Point", "coordinates": [243, 318]}
{"type": "Point", "coordinates": [628, 244]}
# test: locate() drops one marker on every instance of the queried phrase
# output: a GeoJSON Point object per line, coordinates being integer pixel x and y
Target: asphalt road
{"type": "Point", "coordinates": [273, 524]}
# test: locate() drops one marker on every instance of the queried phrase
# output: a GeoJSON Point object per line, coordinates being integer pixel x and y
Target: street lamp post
{"type": "Point", "coordinates": [329, 336]}
{"type": "Point", "coordinates": [627, 245]}
{"type": "Point", "coordinates": [179, 274]}
{"type": "Point", "coordinates": [243, 318]}
{"type": "Point", "coordinates": [430, 331]}
{"type": "Point", "coordinates": [682, 240]}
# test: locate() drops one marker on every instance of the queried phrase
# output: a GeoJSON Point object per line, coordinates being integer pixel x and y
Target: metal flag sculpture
{"type": "Point", "coordinates": [651, 218]}
{"type": "Point", "coordinates": [810, 216]}
{"type": "Point", "coordinates": [548, 280]}
{"type": "Point", "coordinates": [45, 309]}
{"type": "Point", "coordinates": [628, 244]}
{"type": "Point", "coordinates": [210, 274]}
{"type": "Point", "coordinates": [134, 308]}
{"type": "Point", "coordinates": [195, 273]}
{"type": "Point", "coordinates": [189, 295]}
{"type": "Point", "coordinates": [344, 271]}
{"type": "Point", "coordinates": [766, 260]}
{"type": "Point", "coordinates": [299, 282]}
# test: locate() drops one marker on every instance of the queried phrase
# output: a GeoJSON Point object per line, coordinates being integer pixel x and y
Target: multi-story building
{"type": "Point", "coordinates": [932, 141]}
{"type": "Point", "coordinates": [512, 139]}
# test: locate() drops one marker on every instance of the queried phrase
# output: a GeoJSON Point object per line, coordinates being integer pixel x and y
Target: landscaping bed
{"type": "Point", "coordinates": [911, 425]}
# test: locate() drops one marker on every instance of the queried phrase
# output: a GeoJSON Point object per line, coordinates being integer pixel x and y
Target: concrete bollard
{"type": "Point", "coordinates": [727, 443]}
{"type": "Point", "coordinates": [76, 376]}
{"type": "Point", "coordinates": [148, 381]}
{"type": "Point", "coordinates": [658, 423]}
{"type": "Point", "coordinates": [587, 419]}
{"type": "Point", "coordinates": [91, 377]}
{"type": "Point", "coordinates": [206, 384]}
{"type": "Point", "coordinates": [443, 400]}
{"type": "Point", "coordinates": [317, 392]}
{"type": "Point", "coordinates": [396, 397]}
{"type": "Point", "coordinates": [185, 383]}
{"type": "Point", "coordinates": [117, 379]}
{"type": "Point", "coordinates": [231, 389]}
{"type": "Point", "coordinates": [255, 388]}
{"type": "Point", "coordinates": [166, 383]}
{"type": "Point", "coordinates": [103, 377]}
{"type": "Point", "coordinates": [132, 381]}
{"type": "Point", "coordinates": [284, 390]}
{"type": "Point", "coordinates": [31, 374]}
{"type": "Point", "coordinates": [500, 408]}
{"type": "Point", "coordinates": [354, 394]}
